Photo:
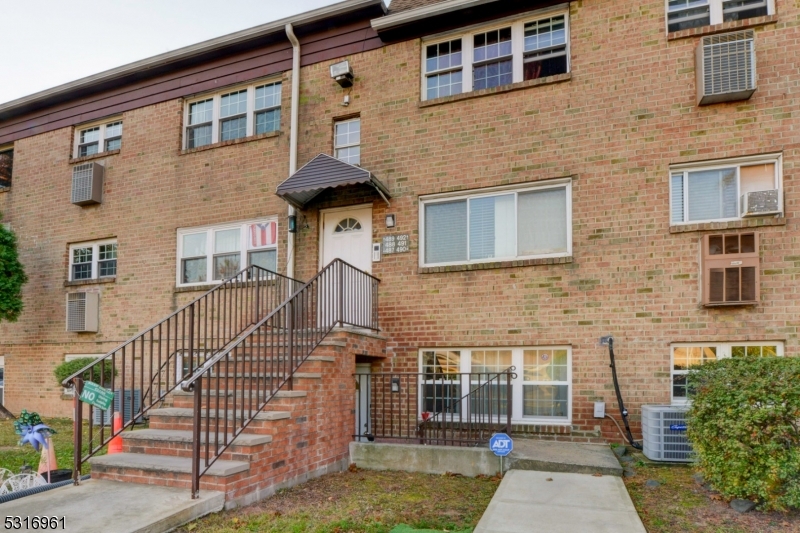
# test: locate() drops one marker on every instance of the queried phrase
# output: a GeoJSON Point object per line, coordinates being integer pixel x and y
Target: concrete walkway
{"type": "Point", "coordinates": [101, 506]}
{"type": "Point", "coordinates": [557, 502]}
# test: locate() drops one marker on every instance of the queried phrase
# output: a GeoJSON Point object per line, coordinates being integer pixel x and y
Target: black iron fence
{"type": "Point", "coordinates": [143, 370]}
{"type": "Point", "coordinates": [453, 409]}
{"type": "Point", "coordinates": [234, 385]}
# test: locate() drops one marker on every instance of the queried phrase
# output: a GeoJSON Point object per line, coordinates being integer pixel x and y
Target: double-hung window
{"type": "Point", "coordinates": [233, 114]}
{"type": "Point", "coordinates": [6, 166]}
{"type": "Point", "coordinates": [685, 14]}
{"type": "Point", "coordinates": [686, 356]}
{"type": "Point", "coordinates": [347, 140]}
{"type": "Point", "coordinates": [93, 260]}
{"type": "Point", "coordinates": [725, 190]}
{"type": "Point", "coordinates": [462, 381]}
{"type": "Point", "coordinates": [97, 138]}
{"type": "Point", "coordinates": [213, 254]}
{"type": "Point", "coordinates": [517, 50]}
{"type": "Point", "coordinates": [500, 224]}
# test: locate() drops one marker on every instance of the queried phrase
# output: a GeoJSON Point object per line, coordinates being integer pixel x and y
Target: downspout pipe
{"type": "Point", "coordinates": [293, 134]}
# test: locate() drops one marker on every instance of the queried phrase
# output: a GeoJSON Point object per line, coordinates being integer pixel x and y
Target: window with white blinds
{"type": "Point", "coordinates": [716, 191]}
{"type": "Point", "coordinates": [506, 224]}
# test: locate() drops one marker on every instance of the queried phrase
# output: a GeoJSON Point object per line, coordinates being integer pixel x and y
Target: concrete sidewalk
{"type": "Point", "coordinates": [101, 506]}
{"type": "Point", "coordinates": [555, 502]}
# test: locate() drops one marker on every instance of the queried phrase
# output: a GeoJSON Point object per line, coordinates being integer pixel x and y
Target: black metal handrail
{"type": "Point", "coordinates": [240, 380]}
{"type": "Point", "coordinates": [144, 369]}
{"type": "Point", "coordinates": [432, 408]}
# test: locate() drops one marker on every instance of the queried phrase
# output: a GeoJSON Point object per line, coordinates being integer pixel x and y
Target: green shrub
{"type": "Point", "coordinates": [744, 425]}
{"type": "Point", "coordinates": [65, 370]}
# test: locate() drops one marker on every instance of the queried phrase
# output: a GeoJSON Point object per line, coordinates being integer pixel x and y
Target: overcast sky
{"type": "Point", "coordinates": [49, 42]}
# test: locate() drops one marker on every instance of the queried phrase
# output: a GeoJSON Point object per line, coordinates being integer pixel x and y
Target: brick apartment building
{"type": "Point", "coordinates": [537, 175]}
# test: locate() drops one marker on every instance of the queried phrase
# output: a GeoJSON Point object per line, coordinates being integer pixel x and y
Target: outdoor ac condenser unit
{"type": "Point", "coordinates": [82, 311]}
{"type": "Point", "coordinates": [664, 431]}
{"type": "Point", "coordinates": [105, 418]}
{"type": "Point", "coordinates": [760, 203]}
{"type": "Point", "coordinates": [726, 67]}
{"type": "Point", "coordinates": [87, 184]}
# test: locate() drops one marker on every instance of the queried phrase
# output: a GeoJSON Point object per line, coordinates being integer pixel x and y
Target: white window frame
{"type": "Point", "coordinates": [723, 352]}
{"type": "Point", "coordinates": [686, 168]}
{"type": "Point", "coordinates": [517, 24]}
{"type": "Point", "coordinates": [517, 399]}
{"type": "Point", "coordinates": [495, 191]}
{"type": "Point", "coordinates": [337, 147]}
{"type": "Point", "coordinates": [716, 14]}
{"type": "Point", "coordinates": [101, 142]}
{"type": "Point", "coordinates": [95, 246]}
{"type": "Point", "coordinates": [244, 249]}
{"type": "Point", "coordinates": [216, 120]}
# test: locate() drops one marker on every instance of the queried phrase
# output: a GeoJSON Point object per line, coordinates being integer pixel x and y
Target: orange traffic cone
{"type": "Point", "coordinates": [115, 446]}
{"type": "Point", "coordinates": [47, 462]}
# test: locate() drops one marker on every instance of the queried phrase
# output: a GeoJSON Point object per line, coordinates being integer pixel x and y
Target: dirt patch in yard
{"type": "Point", "coordinates": [680, 503]}
{"type": "Point", "coordinates": [362, 501]}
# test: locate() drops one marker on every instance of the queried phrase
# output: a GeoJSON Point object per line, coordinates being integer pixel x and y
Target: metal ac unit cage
{"type": "Point", "coordinates": [726, 67]}
{"type": "Point", "coordinates": [760, 203]}
{"type": "Point", "coordinates": [87, 184]}
{"type": "Point", "coordinates": [105, 418]}
{"type": "Point", "coordinates": [82, 311]}
{"type": "Point", "coordinates": [664, 431]}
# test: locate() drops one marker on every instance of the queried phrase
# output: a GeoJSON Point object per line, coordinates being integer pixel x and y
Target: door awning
{"type": "Point", "coordinates": [325, 172]}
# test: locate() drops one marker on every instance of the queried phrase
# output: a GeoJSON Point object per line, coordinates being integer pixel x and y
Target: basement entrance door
{"type": "Point", "coordinates": [347, 235]}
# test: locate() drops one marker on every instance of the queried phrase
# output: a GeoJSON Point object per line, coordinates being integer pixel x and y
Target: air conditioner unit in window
{"type": "Point", "coordinates": [87, 184]}
{"type": "Point", "coordinates": [105, 418]}
{"type": "Point", "coordinates": [82, 311]}
{"type": "Point", "coordinates": [664, 433]}
{"type": "Point", "coordinates": [726, 68]}
{"type": "Point", "coordinates": [730, 269]}
{"type": "Point", "coordinates": [760, 203]}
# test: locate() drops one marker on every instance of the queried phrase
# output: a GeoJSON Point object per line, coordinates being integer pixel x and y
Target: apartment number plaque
{"type": "Point", "coordinates": [395, 244]}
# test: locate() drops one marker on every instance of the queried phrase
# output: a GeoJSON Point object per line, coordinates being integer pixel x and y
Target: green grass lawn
{"type": "Point", "coordinates": [362, 501]}
{"type": "Point", "coordinates": [13, 456]}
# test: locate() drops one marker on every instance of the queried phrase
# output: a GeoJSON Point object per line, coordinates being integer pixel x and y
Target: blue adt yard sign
{"type": "Point", "coordinates": [501, 444]}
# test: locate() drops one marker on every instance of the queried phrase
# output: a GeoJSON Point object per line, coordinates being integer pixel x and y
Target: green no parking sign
{"type": "Point", "coordinates": [94, 394]}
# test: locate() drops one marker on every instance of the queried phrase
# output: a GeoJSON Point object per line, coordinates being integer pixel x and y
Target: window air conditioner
{"type": "Point", "coordinates": [82, 311]}
{"type": "Point", "coordinates": [664, 433]}
{"type": "Point", "coordinates": [760, 203]}
{"type": "Point", "coordinates": [726, 68]}
{"type": "Point", "coordinates": [730, 269]}
{"type": "Point", "coordinates": [87, 184]}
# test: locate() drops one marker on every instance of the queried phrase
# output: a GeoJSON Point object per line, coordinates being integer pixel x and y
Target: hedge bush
{"type": "Point", "coordinates": [65, 370]}
{"type": "Point", "coordinates": [744, 426]}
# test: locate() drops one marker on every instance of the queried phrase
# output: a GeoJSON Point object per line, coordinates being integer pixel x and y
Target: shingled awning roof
{"type": "Point", "coordinates": [325, 172]}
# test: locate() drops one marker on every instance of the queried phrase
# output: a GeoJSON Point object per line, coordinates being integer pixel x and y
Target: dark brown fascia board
{"type": "Point", "coordinates": [450, 15]}
{"type": "Point", "coordinates": [140, 68]}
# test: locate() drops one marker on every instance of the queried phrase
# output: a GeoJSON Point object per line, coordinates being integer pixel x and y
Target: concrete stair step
{"type": "Point", "coordinates": [297, 375]}
{"type": "Point", "coordinates": [163, 464]}
{"type": "Point", "coordinates": [180, 436]}
{"type": "Point", "coordinates": [187, 412]}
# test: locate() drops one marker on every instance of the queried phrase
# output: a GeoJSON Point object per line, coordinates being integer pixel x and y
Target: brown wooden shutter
{"type": "Point", "coordinates": [730, 269]}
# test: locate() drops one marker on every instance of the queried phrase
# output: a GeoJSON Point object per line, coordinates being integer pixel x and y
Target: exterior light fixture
{"type": "Point", "coordinates": [390, 221]}
{"type": "Point", "coordinates": [395, 384]}
{"type": "Point", "coordinates": [342, 73]}
{"type": "Point", "coordinates": [292, 223]}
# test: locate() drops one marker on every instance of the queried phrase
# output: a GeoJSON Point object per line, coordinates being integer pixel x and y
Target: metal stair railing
{"type": "Point", "coordinates": [144, 369]}
{"type": "Point", "coordinates": [264, 360]}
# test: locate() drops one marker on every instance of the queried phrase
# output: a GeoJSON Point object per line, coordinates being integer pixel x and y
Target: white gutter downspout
{"type": "Point", "coordinates": [293, 135]}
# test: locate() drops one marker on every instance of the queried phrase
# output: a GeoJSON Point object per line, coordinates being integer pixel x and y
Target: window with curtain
{"type": "Point", "coordinates": [505, 225]}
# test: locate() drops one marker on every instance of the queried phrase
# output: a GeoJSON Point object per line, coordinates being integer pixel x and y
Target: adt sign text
{"type": "Point", "coordinates": [501, 444]}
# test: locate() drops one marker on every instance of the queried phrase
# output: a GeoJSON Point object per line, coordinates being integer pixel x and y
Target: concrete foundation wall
{"type": "Point", "coordinates": [426, 459]}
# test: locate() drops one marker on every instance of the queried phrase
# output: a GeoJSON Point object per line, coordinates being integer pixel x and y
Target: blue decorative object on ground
{"type": "Point", "coordinates": [32, 430]}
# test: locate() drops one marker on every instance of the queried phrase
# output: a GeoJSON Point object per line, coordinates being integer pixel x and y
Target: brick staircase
{"type": "Point", "coordinates": [300, 433]}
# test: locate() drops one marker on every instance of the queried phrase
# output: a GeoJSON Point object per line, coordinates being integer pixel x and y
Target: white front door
{"type": "Point", "coordinates": [347, 235]}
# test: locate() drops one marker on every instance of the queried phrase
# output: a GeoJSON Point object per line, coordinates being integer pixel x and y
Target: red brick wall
{"type": "Point", "coordinates": [624, 115]}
